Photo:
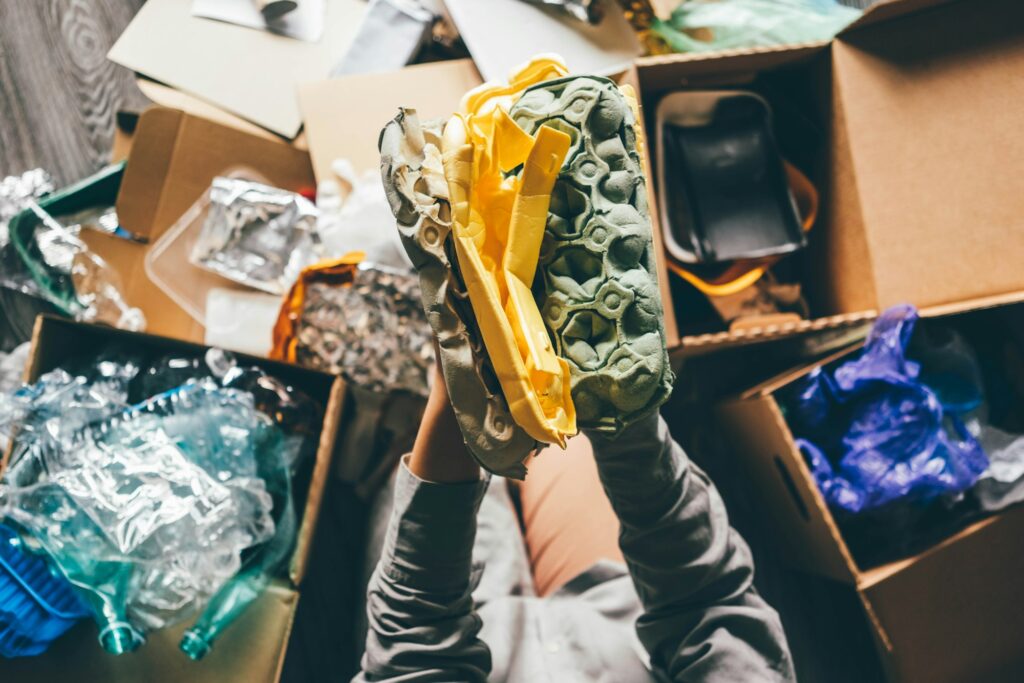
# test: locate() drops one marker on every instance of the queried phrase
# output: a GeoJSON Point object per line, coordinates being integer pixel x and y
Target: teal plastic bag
{"type": "Point", "coordinates": [715, 25]}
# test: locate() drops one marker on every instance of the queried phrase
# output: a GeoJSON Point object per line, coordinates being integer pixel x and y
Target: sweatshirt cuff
{"type": "Point", "coordinates": [429, 543]}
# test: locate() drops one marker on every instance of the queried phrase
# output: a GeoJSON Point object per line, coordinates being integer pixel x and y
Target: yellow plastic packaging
{"type": "Point", "coordinates": [498, 225]}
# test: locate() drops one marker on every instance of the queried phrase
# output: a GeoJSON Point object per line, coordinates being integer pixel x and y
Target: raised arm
{"type": "Point", "coordinates": [703, 620]}
{"type": "Point", "coordinates": [422, 626]}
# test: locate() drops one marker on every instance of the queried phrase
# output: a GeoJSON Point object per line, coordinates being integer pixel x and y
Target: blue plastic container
{"type": "Point", "coordinates": [36, 606]}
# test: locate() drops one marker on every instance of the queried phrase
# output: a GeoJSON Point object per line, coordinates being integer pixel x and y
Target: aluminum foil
{"type": "Point", "coordinates": [16, 190]}
{"type": "Point", "coordinates": [257, 235]}
{"type": "Point", "coordinates": [373, 332]}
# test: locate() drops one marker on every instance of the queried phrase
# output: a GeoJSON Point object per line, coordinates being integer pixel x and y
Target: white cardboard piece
{"type": "Point", "coordinates": [253, 74]}
{"type": "Point", "coordinates": [503, 34]}
{"type": "Point", "coordinates": [306, 22]}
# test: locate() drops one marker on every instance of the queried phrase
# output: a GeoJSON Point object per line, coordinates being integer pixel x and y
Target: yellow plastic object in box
{"type": "Point", "coordinates": [498, 224]}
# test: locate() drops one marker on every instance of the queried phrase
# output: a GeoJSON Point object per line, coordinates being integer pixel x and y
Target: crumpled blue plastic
{"type": "Point", "coordinates": [873, 433]}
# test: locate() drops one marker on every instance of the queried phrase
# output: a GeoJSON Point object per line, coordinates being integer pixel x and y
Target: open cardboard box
{"type": "Point", "coordinates": [253, 648]}
{"type": "Point", "coordinates": [951, 613]}
{"type": "Point", "coordinates": [917, 105]}
{"type": "Point", "coordinates": [173, 158]}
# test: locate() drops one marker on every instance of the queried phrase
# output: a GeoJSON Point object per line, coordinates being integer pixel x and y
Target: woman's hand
{"type": "Point", "coordinates": [440, 453]}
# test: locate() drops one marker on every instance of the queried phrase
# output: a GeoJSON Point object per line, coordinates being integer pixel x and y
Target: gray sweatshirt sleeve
{"type": "Point", "coordinates": [703, 619]}
{"type": "Point", "coordinates": [422, 626]}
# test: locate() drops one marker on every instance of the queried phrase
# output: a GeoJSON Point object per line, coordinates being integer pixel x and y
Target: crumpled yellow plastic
{"type": "Point", "coordinates": [498, 225]}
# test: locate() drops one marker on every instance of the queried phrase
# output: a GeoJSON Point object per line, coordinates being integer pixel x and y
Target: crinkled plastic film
{"type": "Point", "coordinates": [148, 508]}
{"type": "Point", "coordinates": [417, 191]}
{"type": "Point", "coordinates": [874, 433]}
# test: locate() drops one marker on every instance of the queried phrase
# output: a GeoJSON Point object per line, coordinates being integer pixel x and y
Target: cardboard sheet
{"type": "Point", "coordinates": [503, 34]}
{"type": "Point", "coordinates": [306, 22]}
{"type": "Point", "coordinates": [344, 116]}
{"type": "Point", "coordinates": [250, 73]}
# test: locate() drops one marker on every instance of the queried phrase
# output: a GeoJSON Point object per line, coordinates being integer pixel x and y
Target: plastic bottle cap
{"type": "Point", "coordinates": [119, 638]}
{"type": "Point", "coordinates": [194, 646]}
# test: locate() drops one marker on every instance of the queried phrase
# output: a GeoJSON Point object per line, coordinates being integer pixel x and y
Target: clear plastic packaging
{"type": "Point", "coordinates": [257, 235]}
{"type": "Point", "coordinates": [168, 262]}
{"type": "Point", "coordinates": [147, 508]}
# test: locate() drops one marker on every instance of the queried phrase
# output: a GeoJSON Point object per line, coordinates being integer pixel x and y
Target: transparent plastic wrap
{"type": "Point", "coordinates": [257, 235]}
{"type": "Point", "coordinates": [151, 509]}
{"type": "Point", "coordinates": [361, 221]}
{"type": "Point", "coordinates": [713, 25]}
{"type": "Point", "coordinates": [875, 434]}
{"type": "Point", "coordinates": [50, 260]}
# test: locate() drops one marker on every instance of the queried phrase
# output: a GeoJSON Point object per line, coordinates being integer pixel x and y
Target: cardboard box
{"type": "Point", "coordinates": [951, 613]}
{"type": "Point", "coordinates": [344, 116]}
{"type": "Point", "coordinates": [253, 649]}
{"type": "Point", "coordinates": [174, 157]}
{"type": "Point", "coordinates": [918, 103]}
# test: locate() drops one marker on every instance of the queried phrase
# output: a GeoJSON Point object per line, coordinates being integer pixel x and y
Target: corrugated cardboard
{"type": "Point", "coordinates": [931, 122]}
{"type": "Point", "coordinates": [174, 158]}
{"type": "Point", "coordinates": [253, 649]}
{"type": "Point", "coordinates": [950, 614]}
{"type": "Point", "coordinates": [173, 98]}
{"type": "Point", "coordinates": [344, 116]}
{"type": "Point", "coordinates": [250, 73]}
{"type": "Point", "coordinates": [919, 203]}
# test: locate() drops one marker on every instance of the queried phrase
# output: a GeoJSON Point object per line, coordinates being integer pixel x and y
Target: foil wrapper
{"type": "Point", "coordinates": [15, 193]}
{"type": "Point", "coordinates": [257, 235]}
{"type": "Point", "coordinates": [589, 11]}
{"type": "Point", "coordinates": [373, 331]}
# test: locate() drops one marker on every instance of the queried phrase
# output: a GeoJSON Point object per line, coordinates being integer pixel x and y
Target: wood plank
{"type": "Point", "coordinates": [58, 92]}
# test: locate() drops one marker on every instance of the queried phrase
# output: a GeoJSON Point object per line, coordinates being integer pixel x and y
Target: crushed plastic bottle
{"type": "Point", "coordinates": [147, 511]}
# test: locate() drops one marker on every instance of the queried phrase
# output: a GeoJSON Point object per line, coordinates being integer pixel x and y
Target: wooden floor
{"type": "Point", "coordinates": [58, 99]}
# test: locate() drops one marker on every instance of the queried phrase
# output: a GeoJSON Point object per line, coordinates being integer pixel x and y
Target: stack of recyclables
{"type": "Point", "coordinates": [156, 511]}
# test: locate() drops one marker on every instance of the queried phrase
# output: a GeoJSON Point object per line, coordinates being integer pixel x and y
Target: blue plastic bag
{"type": "Point", "coordinates": [873, 433]}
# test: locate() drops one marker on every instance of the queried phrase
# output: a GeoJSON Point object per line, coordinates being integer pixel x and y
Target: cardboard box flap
{"type": "Point", "coordinates": [785, 487]}
{"type": "Point", "coordinates": [954, 613]}
{"type": "Point", "coordinates": [333, 413]}
{"type": "Point", "coordinates": [692, 69]}
{"type": "Point", "coordinates": [692, 344]}
{"type": "Point", "coordinates": [173, 159]}
{"type": "Point", "coordinates": [939, 202]}
{"type": "Point", "coordinates": [149, 160]}
{"type": "Point", "coordinates": [887, 10]}
{"type": "Point", "coordinates": [344, 116]}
